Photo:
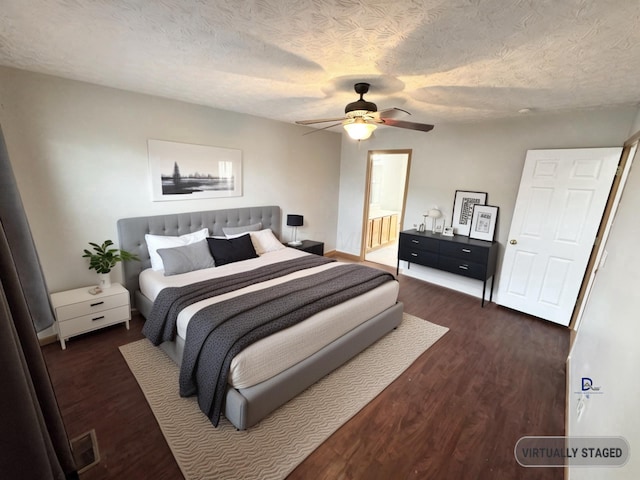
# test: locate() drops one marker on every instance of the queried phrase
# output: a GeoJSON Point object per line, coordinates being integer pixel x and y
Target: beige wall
{"type": "Point", "coordinates": [635, 128]}
{"type": "Point", "coordinates": [605, 349]}
{"type": "Point", "coordinates": [79, 154]}
{"type": "Point", "coordinates": [486, 157]}
{"type": "Point", "coordinates": [80, 157]}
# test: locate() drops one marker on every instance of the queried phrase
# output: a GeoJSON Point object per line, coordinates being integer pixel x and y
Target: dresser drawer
{"type": "Point", "coordinates": [94, 321]}
{"type": "Point", "coordinates": [472, 253]}
{"type": "Point", "coordinates": [89, 307]}
{"type": "Point", "coordinates": [428, 259]}
{"type": "Point", "coordinates": [462, 267]}
{"type": "Point", "coordinates": [410, 242]}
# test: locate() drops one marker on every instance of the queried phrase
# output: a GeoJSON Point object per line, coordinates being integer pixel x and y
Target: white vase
{"type": "Point", "coordinates": [104, 280]}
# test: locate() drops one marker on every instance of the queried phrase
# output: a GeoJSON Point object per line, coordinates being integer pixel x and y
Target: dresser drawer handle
{"type": "Point", "coordinates": [414, 254]}
{"type": "Point", "coordinates": [464, 267]}
{"type": "Point", "coordinates": [466, 250]}
{"type": "Point", "coordinates": [415, 241]}
{"type": "Point", "coordinates": [96, 304]}
{"type": "Point", "coordinates": [97, 318]}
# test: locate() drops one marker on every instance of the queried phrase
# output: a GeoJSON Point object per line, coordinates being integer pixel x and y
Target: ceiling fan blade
{"type": "Point", "coordinates": [392, 113]}
{"type": "Point", "coordinates": [423, 127]}
{"type": "Point", "coordinates": [322, 120]}
{"type": "Point", "coordinates": [320, 129]}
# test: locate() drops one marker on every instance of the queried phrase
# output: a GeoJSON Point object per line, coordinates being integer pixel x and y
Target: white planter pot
{"type": "Point", "coordinates": [104, 280]}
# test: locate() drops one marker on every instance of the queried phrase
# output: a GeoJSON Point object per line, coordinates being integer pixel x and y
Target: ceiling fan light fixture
{"type": "Point", "coordinates": [359, 129]}
{"type": "Point", "coordinates": [361, 117]}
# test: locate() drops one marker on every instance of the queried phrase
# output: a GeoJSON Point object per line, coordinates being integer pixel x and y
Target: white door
{"type": "Point", "coordinates": [559, 206]}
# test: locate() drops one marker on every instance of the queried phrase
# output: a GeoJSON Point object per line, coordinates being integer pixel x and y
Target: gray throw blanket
{"type": "Point", "coordinates": [217, 333]}
{"type": "Point", "coordinates": [161, 324]}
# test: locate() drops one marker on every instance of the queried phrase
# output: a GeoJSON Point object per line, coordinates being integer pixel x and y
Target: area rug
{"type": "Point", "coordinates": [275, 446]}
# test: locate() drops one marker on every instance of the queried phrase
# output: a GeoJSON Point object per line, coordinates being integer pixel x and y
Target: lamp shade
{"type": "Point", "coordinates": [294, 220]}
{"type": "Point", "coordinates": [434, 213]}
{"type": "Point", "coordinates": [359, 129]}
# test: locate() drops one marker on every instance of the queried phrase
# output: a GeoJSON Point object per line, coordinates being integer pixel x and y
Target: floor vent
{"type": "Point", "coordinates": [85, 451]}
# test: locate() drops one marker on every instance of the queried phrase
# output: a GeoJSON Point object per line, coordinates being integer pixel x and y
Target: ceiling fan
{"type": "Point", "coordinates": [361, 117]}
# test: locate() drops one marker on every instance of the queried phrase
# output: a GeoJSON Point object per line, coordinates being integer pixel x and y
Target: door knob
{"type": "Point", "coordinates": [513, 242]}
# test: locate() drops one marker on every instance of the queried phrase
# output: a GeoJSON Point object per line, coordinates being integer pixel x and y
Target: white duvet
{"type": "Point", "coordinates": [273, 354]}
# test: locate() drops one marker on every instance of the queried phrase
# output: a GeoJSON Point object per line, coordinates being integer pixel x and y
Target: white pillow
{"type": "Point", "coordinates": [234, 232]}
{"type": "Point", "coordinates": [154, 242]}
{"type": "Point", "coordinates": [265, 241]}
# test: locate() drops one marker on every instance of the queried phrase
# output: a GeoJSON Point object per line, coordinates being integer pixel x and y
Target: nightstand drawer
{"type": "Point", "coordinates": [89, 307]}
{"type": "Point", "coordinates": [94, 321]}
{"type": "Point", "coordinates": [468, 252]}
{"type": "Point", "coordinates": [463, 267]}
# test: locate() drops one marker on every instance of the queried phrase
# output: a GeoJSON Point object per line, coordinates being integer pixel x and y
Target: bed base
{"type": "Point", "coordinates": [143, 304]}
{"type": "Point", "coordinates": [247, 406]}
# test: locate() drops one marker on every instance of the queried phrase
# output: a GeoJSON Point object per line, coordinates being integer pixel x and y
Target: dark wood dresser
{"type": "Point", "coordinates": [458, 254]}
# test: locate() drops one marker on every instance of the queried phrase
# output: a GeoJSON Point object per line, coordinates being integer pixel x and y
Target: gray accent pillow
{"type": "Point", "coordinates": [187, 258]}
{"type": "Point", "coordinates": [240, 230]}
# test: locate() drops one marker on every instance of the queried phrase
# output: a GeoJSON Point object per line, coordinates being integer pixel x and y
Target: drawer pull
{"type": "Point", "coordinates": [464, 267]}
{"type": "Point", "coordinates": [414, 254]}
{"type": "Point", "coordinates": [415, 241]}
{"type": "Point", "coordinates": [466, 250]}
{"type": "Point", "coordinates": [97, 318]}
{"type": "Point", "coordinates": [96, 304]}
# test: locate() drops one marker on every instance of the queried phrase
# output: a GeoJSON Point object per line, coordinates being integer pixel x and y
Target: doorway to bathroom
{"type": "Point", "coordinates": [385, 199]}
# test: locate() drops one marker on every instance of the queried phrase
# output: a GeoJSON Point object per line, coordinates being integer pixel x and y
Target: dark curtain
{"type": "Point", "coordinates": [33, 440]}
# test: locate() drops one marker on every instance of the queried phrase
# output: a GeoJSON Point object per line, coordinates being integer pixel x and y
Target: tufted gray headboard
{"type": "Point", "coordinates": [131, 231]}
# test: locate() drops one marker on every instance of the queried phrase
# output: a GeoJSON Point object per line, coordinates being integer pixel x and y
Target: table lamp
{"type": "Point", "coordinates": [295, 221]}
{"type": "Point", "coordinates": [435, 214]}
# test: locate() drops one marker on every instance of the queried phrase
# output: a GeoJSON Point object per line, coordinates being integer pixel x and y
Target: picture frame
{"type": "Point", "coordinates": [483, 222]}
{"type": "Point", "coordinates": [183, 171]}
{"type": "Point", "coordinates": [447, 232]}
{"type": "Point", "coordinates": [463, 203]}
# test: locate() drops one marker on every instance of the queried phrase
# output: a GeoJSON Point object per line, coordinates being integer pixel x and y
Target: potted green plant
{"type": "Point", "coordinates": [103, 258]}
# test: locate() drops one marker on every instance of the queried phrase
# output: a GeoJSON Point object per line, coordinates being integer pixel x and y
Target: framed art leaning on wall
{"type": "Point", "coordinates": [483, 222]}
{"type": "Point", "coordinates": [463, 203]}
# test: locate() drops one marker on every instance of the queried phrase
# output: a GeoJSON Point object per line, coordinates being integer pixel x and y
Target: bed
{"type": "Point", "coordinates": [274, 369]}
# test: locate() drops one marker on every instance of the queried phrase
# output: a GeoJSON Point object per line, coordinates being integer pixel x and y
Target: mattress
{"type": "Point", "coordinates": [269, 356]}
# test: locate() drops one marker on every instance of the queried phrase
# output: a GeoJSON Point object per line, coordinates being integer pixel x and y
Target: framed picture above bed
{"type": "Point", "coordinates": [183, 171]}
{"type": "Point", "coordinates": [463, 203]}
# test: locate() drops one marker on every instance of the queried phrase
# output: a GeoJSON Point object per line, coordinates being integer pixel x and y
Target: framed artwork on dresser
{"type": "Point", "coordinates": [463, 203]}
{"type": "Point", "coordinates": [483, 222]}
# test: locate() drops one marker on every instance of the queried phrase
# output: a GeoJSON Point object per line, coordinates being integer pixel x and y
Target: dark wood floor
{"type": "Point", "coordinates": [456, 413]}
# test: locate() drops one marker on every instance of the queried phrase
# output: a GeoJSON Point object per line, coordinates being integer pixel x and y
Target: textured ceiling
{"type": "Point", "coordinates": [442, 60]}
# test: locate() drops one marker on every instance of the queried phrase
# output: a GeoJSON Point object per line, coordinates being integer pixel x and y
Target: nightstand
{"type": "Point", "coordinates": [77, 311]}
{"type": "Point", "coordinates": [311, 246]}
